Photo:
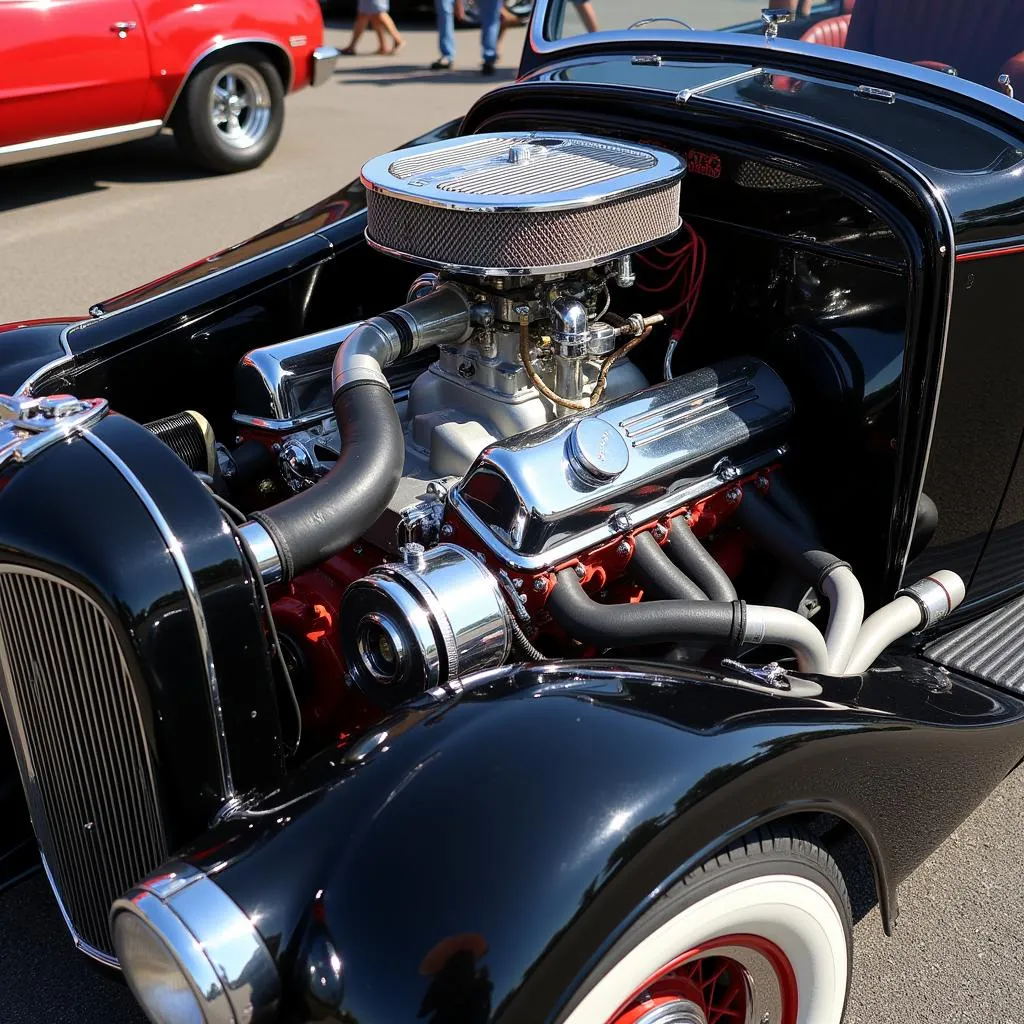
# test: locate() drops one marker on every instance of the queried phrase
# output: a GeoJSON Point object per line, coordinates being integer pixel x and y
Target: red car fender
{"type": "Point", "coordinates": [181, 36]}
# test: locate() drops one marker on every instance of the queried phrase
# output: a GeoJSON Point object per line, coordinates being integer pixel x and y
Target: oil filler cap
{"type": "Point", "coordinates": [597, 451]}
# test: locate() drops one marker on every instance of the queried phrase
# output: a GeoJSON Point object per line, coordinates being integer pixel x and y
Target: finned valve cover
{"type": "Point", "coordinates": [519, 203]}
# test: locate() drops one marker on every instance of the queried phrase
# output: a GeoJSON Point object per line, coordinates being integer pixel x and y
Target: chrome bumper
{"type": "Point", "coordinates": [322, 64]}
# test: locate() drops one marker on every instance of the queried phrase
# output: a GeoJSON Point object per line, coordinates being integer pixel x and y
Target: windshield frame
{"type": "Point", "coordinates": [728, 46]}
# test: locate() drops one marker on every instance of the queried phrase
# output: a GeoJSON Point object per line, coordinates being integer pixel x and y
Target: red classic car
{"type": "Point", "coordinates": [79, 74]}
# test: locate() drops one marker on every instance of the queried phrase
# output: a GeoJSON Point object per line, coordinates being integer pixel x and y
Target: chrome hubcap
{"type": "Point", "coordinates": [679, 1011]}
{"type": "Point", "coordinates": [739, 979]}
{"type": "Point", "coordinates": [240, 106]}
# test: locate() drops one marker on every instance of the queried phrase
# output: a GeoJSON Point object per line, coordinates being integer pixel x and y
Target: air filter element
{"type": "Point", "coordinates": [519, 203]}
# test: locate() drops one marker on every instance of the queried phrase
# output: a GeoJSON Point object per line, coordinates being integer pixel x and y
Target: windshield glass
{"type": "Point", "coordinates": [980, 40]}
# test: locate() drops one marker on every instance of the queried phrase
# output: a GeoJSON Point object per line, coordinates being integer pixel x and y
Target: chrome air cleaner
{"type": "Point", "coordinates": [521, 203]}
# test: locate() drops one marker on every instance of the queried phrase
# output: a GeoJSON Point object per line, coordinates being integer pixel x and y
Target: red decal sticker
{"type": "Point", "coordinates": [707, 165]}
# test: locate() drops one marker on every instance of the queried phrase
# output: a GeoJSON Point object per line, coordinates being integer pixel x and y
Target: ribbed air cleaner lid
{"type": "Point", "coordinates": [521, 202]}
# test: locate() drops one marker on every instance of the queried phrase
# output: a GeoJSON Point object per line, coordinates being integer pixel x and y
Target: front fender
{"type": "Point", "coordinates": [181, 35]}
{"type": "Point", "coordinates": [479, 853]}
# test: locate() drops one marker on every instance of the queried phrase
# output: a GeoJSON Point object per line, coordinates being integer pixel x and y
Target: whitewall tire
{"type": "Point", "coordinates": [759, 934]}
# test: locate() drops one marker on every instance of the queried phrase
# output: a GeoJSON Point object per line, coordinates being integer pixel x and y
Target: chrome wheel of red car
{"type": "Point", "coordinates": [230, 114]}
{"type": "Point", "coordinates": [759, 933]}
{"type": "Point", "coordinates": [240, 106]}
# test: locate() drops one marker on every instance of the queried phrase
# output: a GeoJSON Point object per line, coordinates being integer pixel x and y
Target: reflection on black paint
{"type": "Point", "coordinates": [460, 988]}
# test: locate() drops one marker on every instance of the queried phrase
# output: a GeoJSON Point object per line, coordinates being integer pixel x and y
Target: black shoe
{"type": "Point", "coordinates": [487, 68]}
{"type": "Point", "coordinates": [441, 64]}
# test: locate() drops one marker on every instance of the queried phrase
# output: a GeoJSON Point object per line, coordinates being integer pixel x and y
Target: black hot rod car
{"type": "Point", "coordinates": [493, 594]}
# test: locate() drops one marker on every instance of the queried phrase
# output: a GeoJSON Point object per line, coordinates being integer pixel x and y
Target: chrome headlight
{"type": "Point", "coordinates": [189, 953]}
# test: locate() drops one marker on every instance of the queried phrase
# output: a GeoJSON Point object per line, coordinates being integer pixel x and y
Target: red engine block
{"type": "Point", "coordinates": [307, 614]}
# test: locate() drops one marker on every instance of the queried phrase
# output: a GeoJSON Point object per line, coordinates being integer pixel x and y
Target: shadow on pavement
{"type": "Point", "coordinates": [149, 161]}
{"type": "Point", "coordinates": [72, 989]}
{"type": "Point", "coordinates": [403, 74]}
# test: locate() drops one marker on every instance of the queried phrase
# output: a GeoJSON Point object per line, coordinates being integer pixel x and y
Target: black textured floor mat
{"type": "Point", "coordinates": [991, 648]}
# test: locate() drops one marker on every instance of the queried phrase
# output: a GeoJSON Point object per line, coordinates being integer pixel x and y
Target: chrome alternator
{"type": "Point", "coordinates": [415, 624]}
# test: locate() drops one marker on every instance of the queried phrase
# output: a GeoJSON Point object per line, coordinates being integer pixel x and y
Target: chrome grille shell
{"type": "Point", "coordinates": [82, 747]}
{"type": "Point", "coordinates": [517, 203]}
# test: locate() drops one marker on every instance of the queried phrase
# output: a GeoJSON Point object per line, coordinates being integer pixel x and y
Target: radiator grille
{"type": "Point", "coordinates": [77, 729]}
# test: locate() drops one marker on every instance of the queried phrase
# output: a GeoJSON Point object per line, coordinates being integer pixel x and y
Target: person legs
{"type": "Point", "coordinates": [800, 8]}
{"type": "Point", "coordinates": [490, 25]}
{"type": "Point", "coordinates": [444, 11]}
{"type": "Point", "coordinates": [382, 39]}
{"type": "Point", "coordinates": [358, 28]}
{"type": "Point", "coordinates": [585, 9]}
{"type": "Point", "coordinates": [508, 19]}
{"type": "Point", "coordinates": [389, 26]}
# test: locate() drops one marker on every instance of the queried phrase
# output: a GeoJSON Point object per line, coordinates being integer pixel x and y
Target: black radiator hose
{"type": "Point", "coordinates": [313, 525]}
{"type": "Point", "coordinates": [698, 563]}
{"type": "Point", "coordinates": [317, 523]}
{"type": "Point", "coordinates": [655, 570]}
{"type": "Point", "coordinates": [829, 575]}
{"type": "Point", "coordinates": [778, 535]}
{"type": "Point", "coordinates": [649, 622]}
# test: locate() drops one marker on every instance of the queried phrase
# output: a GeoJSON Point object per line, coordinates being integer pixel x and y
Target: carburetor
{"type": "Point", "coordinates": [526, 233]}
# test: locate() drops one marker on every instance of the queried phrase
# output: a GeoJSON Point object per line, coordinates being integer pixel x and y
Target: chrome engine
{"type": "Point", "coordinates": [533, 446]}
{"type": "Point", "coordinates": [528, 231]}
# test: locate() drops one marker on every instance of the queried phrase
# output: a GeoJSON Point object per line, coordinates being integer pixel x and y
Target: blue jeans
{"type": "Point", "coordinates": [490, 25]}
{"type": "Point", "coordinates": [444, 10]}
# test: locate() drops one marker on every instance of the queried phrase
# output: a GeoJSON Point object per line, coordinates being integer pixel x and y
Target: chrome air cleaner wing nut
{"type": "Point", "coordinates": [518, 203]}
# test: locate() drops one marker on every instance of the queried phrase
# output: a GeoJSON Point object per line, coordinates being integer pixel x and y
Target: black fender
{"type": "Point", "coordinates": [472, 858]}
{"type": "Point", "coordinates": [27, 347]}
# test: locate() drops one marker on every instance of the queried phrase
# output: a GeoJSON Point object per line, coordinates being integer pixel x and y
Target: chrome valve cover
{"type": "Point", "coordinates": [544, 496]}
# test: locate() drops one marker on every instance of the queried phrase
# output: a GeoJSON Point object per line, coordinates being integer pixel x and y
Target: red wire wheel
{"type": "Point", "coordinates": [714, 984]}
{"type": "Point", "coordinates": [761, 933]}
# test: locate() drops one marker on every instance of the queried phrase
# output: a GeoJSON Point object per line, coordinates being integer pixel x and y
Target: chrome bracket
{"type": "Point", "coordinates": [30, 425]}
{"type": "Point", "coordinates": [772, 675]}
{"type": "Point", "coordinates": [516, 599]}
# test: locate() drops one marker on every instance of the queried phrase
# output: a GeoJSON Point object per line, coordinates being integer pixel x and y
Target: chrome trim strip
{"type": "Point", "coordinates": [77, 142]}
{"type": "Point", "coordinates": [563, 268]}
{"type": "Point", "coordinates": [223, 44]}
{"type": "Point", "coordinates": [213, 941]}
{"type": "Point", "coordinates": [195, 603]}
{"type": "Point", "coordinates": [719, 46]}
{"type": "Point", "coordinates": [25, 391]}
{"type": "Point", "coordinates": [280, 425]}
{"type": "Point", "coordinates": [568, 549]}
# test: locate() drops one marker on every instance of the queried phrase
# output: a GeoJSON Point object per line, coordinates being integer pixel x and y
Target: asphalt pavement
{"type": "Point", "coordinates": [76, 230]}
